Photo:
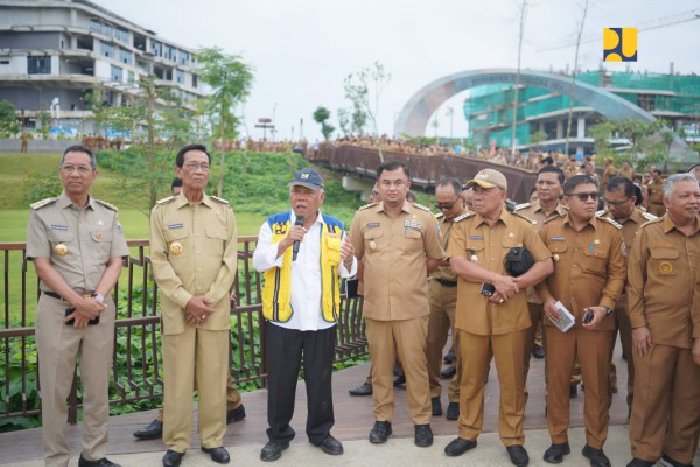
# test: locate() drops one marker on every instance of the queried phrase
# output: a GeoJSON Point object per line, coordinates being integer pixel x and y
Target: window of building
{"type": "Point", "coordinates": [184, 57]}
{"type": "Point", "coordinates": [130, 77]}
{"type": "Point", "coordinates": [106, 50]}
{"type": "Point", "coordinates": [646, 101]}
{"type": "Point", "coordinates": [194, 80]}
{"type": "Point", "coordinates": [121, 35]}
{"type": "Point", "coordinates": [126, 57]}
{"type": "Point", "coordinates": [4, 62]}
{"type": "Point", "coordinates": [156, 48]}
{"type": "Point", "coordinates": [39, 65]}
{"type": "Point", "coordinates": [116, 74]}
{"type": "Point", "coordinates": [179, 76]}
{"type": "Point", "coordinates": [95, 26]}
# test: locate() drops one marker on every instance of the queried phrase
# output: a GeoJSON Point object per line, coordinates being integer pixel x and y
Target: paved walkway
{"type": "Point", "coordinates": [353, 422]}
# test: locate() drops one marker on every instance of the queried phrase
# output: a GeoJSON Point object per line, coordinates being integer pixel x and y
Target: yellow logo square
{"type": "Point", "coordinates": [620, 44]}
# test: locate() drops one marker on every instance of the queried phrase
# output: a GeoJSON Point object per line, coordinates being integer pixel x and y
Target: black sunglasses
{"type": "Point", "coordinates": [584, 196]}
{"type": "Point", "coordinates": [445, 206]}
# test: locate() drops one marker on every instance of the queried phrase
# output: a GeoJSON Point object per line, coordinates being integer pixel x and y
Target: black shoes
{"type": "Point", "coordinates": [596, 456]}
{"type": "Point", "coordinates": [459, 446]}
{"type": "Point", "coordinates": [572, 392]}
{"type": "Point", "coordinates": [452, 411]}
{"type": "Point", "coordinates": [273, 450]}
{"type": "Point", "coordinates": [518, 455]}
{"type": "Point", "coordinates": [380, 432]}
{"type": "Point", "coordinates": [675, 463]}
{"type": "Point", "coordinates": [219, 455]}
{"type": "Point", "coordinates": [448, 373]}
{"type": "Point", "coordinates": [104, 462]}
{"type": "Point", "coordinates": [172, 458]}
{"type": "Point", "coordinates": [556, 452]}
{"type": "Point", "coordinates": [538, 352]}
{"type": "Point", "coordinates": [640, 463]}
{"type": "Point", "coordinates": [153, 430]}
{"type": "Point", "coordinates": [423, 436]}
{"type": "Point", "coordinates": [235, 415]}
{"type": "Point", "coordinates": [361, 390]}
{"type": "Point", "coordinates": [331, 446]}
{"type": "Point", "coordinates": [399, 381]}
{"type": "Point", "coordinates": [437, 405]}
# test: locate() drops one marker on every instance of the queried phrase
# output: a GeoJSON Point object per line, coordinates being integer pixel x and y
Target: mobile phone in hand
{"type": "Point", "coordinates": [587, 316]}
{"type": "Point", "coordinates": [70, 322]}
{"type": "Point", "coordinates": [487, 289]}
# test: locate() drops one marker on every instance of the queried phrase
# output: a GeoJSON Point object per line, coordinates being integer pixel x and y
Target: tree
{"type": "Point", "coordinates": [579, 31]}
{"type": "Point", "coordinates": [8, 117]}
{"type": "Point", "coordinates": [230, 79]}
{"type": "Point", "coordinates": [344, 120]}
{"type": "Point", "coordinates": [321, 116]}
{"type": "Point", "coordinates": [537, 137]}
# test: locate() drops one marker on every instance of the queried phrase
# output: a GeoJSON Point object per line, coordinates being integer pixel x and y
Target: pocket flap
{"type": "Point", "coordinates": [557, 247]}
{"type": "Point", "coordinates": [664, 253]}
{"type": "Point", "coordinates": [216, 232]}
{"type": "Point", "coordinates": [412, 233]}
{"type": "Point", "coordinates": [177, 234]}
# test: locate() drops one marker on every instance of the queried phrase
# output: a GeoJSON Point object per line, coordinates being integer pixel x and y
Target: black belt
{"type": "Point", "coordinates": [52, 294]}
{"type": "Point", "coordinates": [447, 282]}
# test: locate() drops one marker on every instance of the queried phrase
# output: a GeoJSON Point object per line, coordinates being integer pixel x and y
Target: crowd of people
{"type": "Point", "coordinates": [558, 267]}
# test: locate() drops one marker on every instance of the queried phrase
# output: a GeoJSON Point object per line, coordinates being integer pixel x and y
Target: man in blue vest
{"type": "Point", "coordinates": [302, 254]}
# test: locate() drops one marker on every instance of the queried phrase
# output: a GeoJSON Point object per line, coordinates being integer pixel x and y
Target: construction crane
{"type": "Point", "coordinates": [663, 22]}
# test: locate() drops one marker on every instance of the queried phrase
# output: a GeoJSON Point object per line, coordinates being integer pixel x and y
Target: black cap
{"type": "Point", "coordinates": [308, 178]}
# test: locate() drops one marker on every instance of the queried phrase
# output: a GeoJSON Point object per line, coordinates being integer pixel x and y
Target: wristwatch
{"type": "Point", "coordinates": [608, 311]}
{"type": "Point", "coordinates": [99, 298]}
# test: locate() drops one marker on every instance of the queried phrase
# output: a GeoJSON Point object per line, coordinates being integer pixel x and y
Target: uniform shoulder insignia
{"type": "Point", "coordinates": [551, 218]}
{"type": "Point", "coordinates": [368, 205]}
{"type": "Point", "coordinates": [523, 217]}
{"type": "Point", "coordinates": [612, 222]}
{"type": "Point", "coordinates": [42, 203]}
{"type": "Point", "coordinates": [601, 213]}
{"type": "Point", "coordinates": [166, 200]}
{"type": "Point", "coordinates": [438, 215]}
{"type": "Point", "coordinates": [219, 200]}
{"type": "Point", "coordinates": [519, 207]}
{"type": "Point", "coordinates": [421, 207]}
{"type": "Point", "coordinates": [461, 217]}
{"type": "Point", "coordinates": [649, 216]}
{"type": "Point", "coordinates": [109, 206]}
{"type": "Point", "coordinates": [650, 222]}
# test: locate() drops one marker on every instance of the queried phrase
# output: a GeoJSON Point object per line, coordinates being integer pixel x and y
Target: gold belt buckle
{"type": "Point", "coordinates": [87, 295]}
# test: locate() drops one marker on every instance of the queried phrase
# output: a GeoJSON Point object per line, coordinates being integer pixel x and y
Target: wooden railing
{"type": "Point", "coordinates": [136, 358]}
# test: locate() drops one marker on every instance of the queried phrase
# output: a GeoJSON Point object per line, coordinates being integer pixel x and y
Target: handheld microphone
{"type": "Point", "coordinates": [297, 243]}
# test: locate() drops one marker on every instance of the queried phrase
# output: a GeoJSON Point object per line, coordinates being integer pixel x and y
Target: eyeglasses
{"type": "Point", "coordinates": [445, 206]}
{"type": "Point", "coordinates": [584, 196]}
{"type": "Point", "coordinates": [194, 166]}
{"type": "Point", "coordinates": [69, 169]}
{"type": "Point", "coordinates": [616, 203]}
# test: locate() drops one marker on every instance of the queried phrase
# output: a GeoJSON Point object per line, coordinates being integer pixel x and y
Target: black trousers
{"type": "Point", "coordinates": [284, 349]}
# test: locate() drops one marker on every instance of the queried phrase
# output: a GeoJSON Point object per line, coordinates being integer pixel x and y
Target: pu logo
{"type": "Point", "coordinates": [620, 44]}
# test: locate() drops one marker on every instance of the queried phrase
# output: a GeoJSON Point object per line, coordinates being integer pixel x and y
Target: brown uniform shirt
{"type": "Point", "coordinates": [629, 173]}
{"type": "Point", "coordinates": [589, 269]}
{"type": "Point", "coordinates": [486, 245]}
{"type": "Point", "coordinates": [79, 243]}
{"type": "Point", "coordinates": [629, 226]}
{"type": "Point", "coordinates": [536, 215]}
{"type": "Point", "coordinates": [655, 193]}
{"type": "Point", "coordinates": [394, 251]}
{"type": "Point", "coordinates": [446, 225]}
{"type": "Point", "coordinates": [194, 251]}
{"type": "Point", "coordinates": [664, 283]}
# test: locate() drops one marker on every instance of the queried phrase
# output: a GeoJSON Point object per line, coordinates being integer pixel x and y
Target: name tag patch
{"type": "Point", "coordinates": [476, 237]}
{"type": "Point", "coordinates": [63, 228]}
{"type": "Point", "coordinates": [412, 224]}
{"type": "Point", "coordinates": [559, 238]}
{"type": "Point", "coordinates": [174, 226]}
{"type": "Point", "coordinates": [372, 225]}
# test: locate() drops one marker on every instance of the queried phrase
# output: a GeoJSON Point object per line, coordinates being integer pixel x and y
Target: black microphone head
{"type": "Point", "coordinates": [299, 221]}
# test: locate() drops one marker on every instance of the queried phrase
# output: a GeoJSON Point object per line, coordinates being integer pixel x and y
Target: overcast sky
{"type": "Point", "coordinates": [301, 50]}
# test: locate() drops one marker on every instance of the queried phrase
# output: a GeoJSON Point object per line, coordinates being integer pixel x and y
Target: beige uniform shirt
{"type": "Point", "coordinates": [193, 252]}
{"type": "Point", "coordinates": [630, 226]}
{"type": "Point", "coordinates": [78, 242]}
{"type": "Point", "coordinates": [589, 269]}
{"type": "Point", "coordinates": [486, 245]}
{"type": "Point", "coordinates": [664, 283]}
{"type": "Point", "coordinates": [394, 252]}
{"type": "Point", "coordinates": [536, 215]}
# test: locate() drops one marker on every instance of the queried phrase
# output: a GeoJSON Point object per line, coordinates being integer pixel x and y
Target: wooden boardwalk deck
{"type": "Point", "coordinates": [353, 417]}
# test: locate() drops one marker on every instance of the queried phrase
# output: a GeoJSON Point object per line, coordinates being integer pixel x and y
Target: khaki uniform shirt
{"type": "Point", "coordinates": [486, 245]}
{"type": "Point", "coordinates": [394, 252]}
{"type": "Point", "coordinates": [193, 252]}
{"type": "Point", "coordinates": [446, 225]}
{"type": "Point", "coordinates": [608, 172]}
{"type": "Point", "coordinates": [655, 193]}
{"type": "Point", "coordinates": [664, 283]}
{"type": "Point", "coordinates": [536, 215]}
{"type": "Point", "coordinates": [629, 173]}
{"type": "Point", "coordinates": [78, 242]}
{"type": "Point", "coordinates": [629, 226]}
{"type": "Point", "coordinates": [589, 269]}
